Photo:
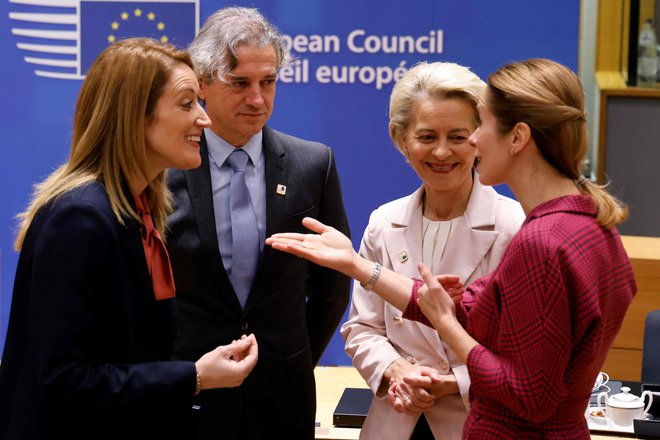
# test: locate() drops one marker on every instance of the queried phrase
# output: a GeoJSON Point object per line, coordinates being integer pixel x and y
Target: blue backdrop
{"type": "Point", "coordinates": [348, 52]}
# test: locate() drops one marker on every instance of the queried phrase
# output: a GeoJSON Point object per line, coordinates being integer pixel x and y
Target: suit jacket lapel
{"type": "Point", "coordinates": [403, 239]}
{"type": "Point", "coordinates": [132, 241]}
{"type": "Point", "coordinates": [474, 234]}
{"type": "Point", "coordinates": [275, 175]}
{"type": "Point", "coordinates": [403, 242]}
{"type": "Point", "coordinates": [468, 242]}
{"type": "Point", "coordinates": [201, 199]}
{"type": "Point", "coordinates": [275, 157]}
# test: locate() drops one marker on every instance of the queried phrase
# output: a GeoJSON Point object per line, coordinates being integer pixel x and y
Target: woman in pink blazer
{"type": "Point", "coordinates": [535, 332]}
{"type": "Point", "coordinates": [432, 114]}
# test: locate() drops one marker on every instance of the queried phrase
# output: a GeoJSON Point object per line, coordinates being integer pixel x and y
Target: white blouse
{"type": "Point", "coordinates": [436, 234]}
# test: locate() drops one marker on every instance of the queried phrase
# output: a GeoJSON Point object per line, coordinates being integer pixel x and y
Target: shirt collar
{"type": "Point", "coordinates": [575, 204]}
{"type": "Point", "coordinates": [220, 149]}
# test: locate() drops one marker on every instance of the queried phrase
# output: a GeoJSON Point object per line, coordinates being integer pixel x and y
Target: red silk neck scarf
{"type": "Point", "coordinates": [158, 260]}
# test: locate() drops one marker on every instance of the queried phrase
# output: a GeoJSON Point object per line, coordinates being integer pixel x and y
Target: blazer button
{"type": "Point", "coordinates": [397, 320]}
{"type": "Point", "coordinates": [244, 325]}
{"type": "Point", "coordinates": [444, 365]}
{"type": "Point", "coordinates": [412, 360]}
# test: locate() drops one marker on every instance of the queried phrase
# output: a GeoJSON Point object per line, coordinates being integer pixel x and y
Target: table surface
{"type": "Point", "coordinates": [330, 384]}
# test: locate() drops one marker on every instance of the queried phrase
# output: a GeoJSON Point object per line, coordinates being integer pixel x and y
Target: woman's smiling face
{"type": "Point", "coordinates": [436, 142]}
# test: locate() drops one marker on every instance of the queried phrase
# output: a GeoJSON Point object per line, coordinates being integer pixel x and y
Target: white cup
{"type": "Point", "coordinates": [601, 380]}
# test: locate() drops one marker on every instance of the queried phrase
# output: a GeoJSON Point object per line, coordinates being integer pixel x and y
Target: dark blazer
{"type": "Point", "coordinates": [293, 309]}
{"type": "Point", "coordinates": [87, 341]}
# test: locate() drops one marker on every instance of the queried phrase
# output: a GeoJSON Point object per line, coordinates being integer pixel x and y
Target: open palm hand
{"type": "Point", "coordinates": [327, 247]}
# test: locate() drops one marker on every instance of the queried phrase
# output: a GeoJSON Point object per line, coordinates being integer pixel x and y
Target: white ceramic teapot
{"type": "Point", "coordinates": [624, 407]}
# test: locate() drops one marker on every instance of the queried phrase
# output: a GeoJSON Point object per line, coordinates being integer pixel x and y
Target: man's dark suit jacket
{"type": "Point", "coordinates": [293, 309]}
{"type": "Point", "coordinates": [87, 341]}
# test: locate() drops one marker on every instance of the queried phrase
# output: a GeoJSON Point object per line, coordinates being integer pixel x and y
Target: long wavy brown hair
{"type": "Point", "coordinates": [118, 94]}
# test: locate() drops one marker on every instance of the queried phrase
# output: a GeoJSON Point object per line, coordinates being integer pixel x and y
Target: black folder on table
{"type": "Point", "coordinates": [352, 408]}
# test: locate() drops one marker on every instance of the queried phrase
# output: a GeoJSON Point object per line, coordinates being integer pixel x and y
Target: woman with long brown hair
{"type": "Point", "coordinates": [91, 326]}
{"type": "Point", "coordinates": [535, 332]}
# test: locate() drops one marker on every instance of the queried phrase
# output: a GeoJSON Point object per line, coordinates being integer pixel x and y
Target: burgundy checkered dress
{"type": "Point", "coordinates": [545, 320]}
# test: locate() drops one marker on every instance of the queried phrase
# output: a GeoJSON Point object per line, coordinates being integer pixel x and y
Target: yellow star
{"type": "Point", "coordinates": [160, 26]}
{"type": "Point", "coordinates": [124, 15]}
{"type": "Point", "coordinates": [151, 16]}
{"type": "Point", "coordinates": [111, 38]}
{"type": "Point", "coordinates": [138, 12]}
{"type": "Point", "coordinates": [164, 39]}
{"type": "Point", "coordinates": [115, 25]}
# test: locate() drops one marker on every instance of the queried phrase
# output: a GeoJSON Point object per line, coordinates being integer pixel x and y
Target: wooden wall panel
{"type": "Point", "coordinates": [622, 364]}
{"type": "Point", "coordinates": [624, 361]}
{"type": "Point", "coordinates": [609, 35]}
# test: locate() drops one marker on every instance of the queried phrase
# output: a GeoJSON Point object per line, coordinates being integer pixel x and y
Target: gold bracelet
{"type": "Point", "coordinates": [374, 277]}
{"type": "Point", "coordinates": [198, 384]}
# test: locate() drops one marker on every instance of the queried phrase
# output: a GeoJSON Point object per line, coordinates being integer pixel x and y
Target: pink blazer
{"type": "Point", "coordinates": [376, 334]}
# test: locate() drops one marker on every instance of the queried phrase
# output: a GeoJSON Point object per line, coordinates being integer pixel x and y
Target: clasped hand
{"type": "Point", "coordinates": [414, 389]}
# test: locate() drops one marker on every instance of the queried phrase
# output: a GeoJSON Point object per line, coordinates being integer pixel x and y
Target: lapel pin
{"type": "Point", "coordinates": [281, 189]}
{"type": "Point", "coordinates": [403, 257]}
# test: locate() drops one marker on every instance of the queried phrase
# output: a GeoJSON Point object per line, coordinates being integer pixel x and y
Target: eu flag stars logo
{"type": "Point", "coordinates": [115, 25]}
{"type": "Point", "coordinates": [63, 37]}
{"type": "Point", "coordinates": [104, 22]}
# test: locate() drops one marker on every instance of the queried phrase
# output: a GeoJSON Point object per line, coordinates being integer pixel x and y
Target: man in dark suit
{"type": "Point", "coordinates": [292, 306]}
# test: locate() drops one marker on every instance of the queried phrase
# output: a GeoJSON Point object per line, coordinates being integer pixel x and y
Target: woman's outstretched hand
{"type": "Point", "coordinates": [327, 247]}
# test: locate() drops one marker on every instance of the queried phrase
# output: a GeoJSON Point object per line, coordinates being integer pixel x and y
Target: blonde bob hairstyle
{"type": "Point", "coordinates": [430, 80]}
{"type": "Point", "coordinates": [549, 98]}
{"type": "Point", "coordinates": [118, 95]}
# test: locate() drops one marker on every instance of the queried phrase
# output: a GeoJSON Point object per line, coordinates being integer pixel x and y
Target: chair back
{"type": "Point", "coordinates": [651, 349]}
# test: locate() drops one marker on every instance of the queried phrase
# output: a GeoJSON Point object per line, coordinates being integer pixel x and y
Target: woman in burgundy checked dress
{"type": "Point", "coordinates": [536, 331]}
